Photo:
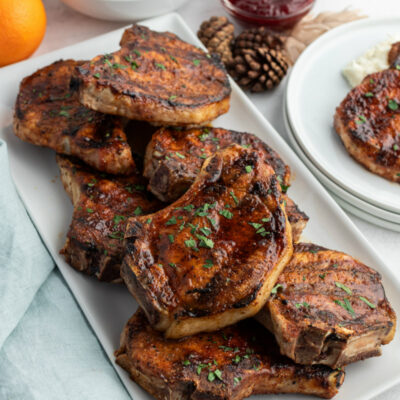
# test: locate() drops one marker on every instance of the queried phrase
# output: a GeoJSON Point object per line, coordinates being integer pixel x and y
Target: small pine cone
{"type": "Point", "coordinates": [217, 35]}
{"type": "Point", "coordinates": [255, 38]}
{"type": "Point", "coordinates": [258, 70]}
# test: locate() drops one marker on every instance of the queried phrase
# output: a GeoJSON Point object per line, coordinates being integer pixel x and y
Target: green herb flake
{"type": "Point", "coordinates": [303, 304]}
{"type": "Point", "coordinates": [64, 113]}
{"type": "Point", "coordinates": [160, 66]}
{"type": "Point", "coordinates": [203, 137]}
{"type": "Point", "coordinates": [191, 244]}
{"type": "Point", "coordinates": [171, 238]}
{"type": "Point", "coordinates": [90, 210]}
{"type": "Point", "coordinates": [138, 211]}
{"type": "Point", "coordinates": [366, 301]}
{"type": "Point", "coordinates": [346, 305]}
{"type": "Point", "coordinates": [313, 251]}
{"type": "Point", "coordinates": [173, 265]}
{"type": "Point", "coordinates": [209, 264]}
{"type": "Point", "coordinates": [211, 376]}
{"type": "Point", "coordinates": [226, 213]}
{"type": "Point", "coordinates": [276, 288]}
{"type": "Point", "coordinates": [148, 221]}
{"type": "Point", "coordinates": [97, 75]}
{"type": "Point", "coordinates": [172, 97]}
{"type": "Point", "coordinates": [205, 231]}
{"type": "Point", "coordinates": [343, 287]}
{"type": "Point", "coordinates": [369, 94]}
{"type": "Point", "coordinates": [173, 59]}
{"type": "Point", "coordinates": [180, 155]}
{"type": "Point", "coordinates": [137, 52]}
{"type": "Point", "coordinates": [118, 218]}
{"type": "Point", "coordinates": [218, 374]}
{"type": "Point", "coordinates": [92, 182]}
{"type": "Point", "coordinates": [186, 363]}
{"type": "Point", "coordinates": [255, 225]}
{"type": "Point", "coordinates": [361, 119]}
{"type": "Point", "coordinates": [212, 221]}
{"type": "Point", "coordinates": [189, 207]}
{"type": "Point", "coordinates": [196, 62]}
{"type": "Point", "coordinates": [116, 235]}
{"type": "Point", "coordinates": [119, 66]}
{"type": "Point", "coordinates": [236, 380]}
{"type": "Point", "coordinates": [371, 81]}
{"type": "Point", "coordinates": [322, 276]}
{"type": "Point", "coordinates": [234, 197]}
{"type": "Point", "coordinates": [205, 242]}
{"type": "Point", "coordinates": [248, 168]}
{"type": "Point", "coordinates": [392, 104]}
{"type": "Point", "coordinates": [395, 147]}
{"type": "Point", "coordinates": [171, 221]}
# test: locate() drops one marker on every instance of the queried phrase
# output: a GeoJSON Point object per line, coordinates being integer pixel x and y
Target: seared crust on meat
{"type": "Point", "coordinates": [174, 157]}
{"type": "Point", "coordinates": [48, 114]}
{"type": "Point", "coordinates": [156, 77]}
{"type": "Point", "coordinates": [102, 204]}
{"type": "Point", "coordinates": [368, 122]}
{"type": "Point", "coordinates": [298, 219]}
{"type": "Point", "coordinates": [231, 364]}
{"type": "Point", "coordinates": [211, 258]}
{"type": "Point", "coordinates": [328, 309]}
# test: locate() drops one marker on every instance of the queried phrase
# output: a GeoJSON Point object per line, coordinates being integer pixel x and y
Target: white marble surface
{"type": "Point", "coordinates": [66, 27]}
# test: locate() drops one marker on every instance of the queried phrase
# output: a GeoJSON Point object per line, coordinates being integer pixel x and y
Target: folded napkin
{"type": "Point", "coordinates": [47, 349]}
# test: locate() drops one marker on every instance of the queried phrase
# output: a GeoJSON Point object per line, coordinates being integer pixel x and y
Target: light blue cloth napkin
{"type": "Point", "coordinates": [47, 349]}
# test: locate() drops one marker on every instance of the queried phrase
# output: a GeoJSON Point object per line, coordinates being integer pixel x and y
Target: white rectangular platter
{"type": "Point", "coordinates": [107, 307]}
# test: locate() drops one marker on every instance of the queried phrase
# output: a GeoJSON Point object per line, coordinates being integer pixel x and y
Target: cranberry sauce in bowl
{"type": "Point", "coordinates": [277, 14]}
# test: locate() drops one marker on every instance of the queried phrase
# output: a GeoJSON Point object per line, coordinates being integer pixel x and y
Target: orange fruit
{"type": "Point", "coordinates": [22, 27]}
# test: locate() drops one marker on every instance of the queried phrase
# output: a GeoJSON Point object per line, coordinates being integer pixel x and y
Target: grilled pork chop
{"type": "Point", "coordinates": [156, 77]}
{"type": "Point", "coordinates": [328, 308]}
{"type": "Point", "coordinates": [231, 364]}
{"type": "Point", "coordinates": [48, 114]}
{"type": "Point", "coordinates": [102, 204]}
{"type": "Point", "coordinates": [174, 157]}
{"type": "Point", "coordinates": [297, 218]}
{"type": "Point", "coordinates": [211, 258]}
{"type": "Point", "coordinates": [368, 122]}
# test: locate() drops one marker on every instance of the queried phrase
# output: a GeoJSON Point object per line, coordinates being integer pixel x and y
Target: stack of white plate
{"type": "Point", "coordinates": [314, 89]}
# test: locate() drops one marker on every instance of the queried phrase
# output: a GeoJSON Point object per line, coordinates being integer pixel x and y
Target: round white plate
{"type": "Point", "coordinates": [368, 209]}
{"type": "Point", "coordinates": [316, 87]}
{"type": "Point", "coordinates": [365, 216]}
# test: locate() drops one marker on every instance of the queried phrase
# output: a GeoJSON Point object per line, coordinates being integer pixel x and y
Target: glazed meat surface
{"type": "Point", "coordinates": [231, 364]}
{"type": "Point", "coordinates": [156, 77]}
{"type": "Point", "coordinates": [102, 204]}
{"type": "Point", "coordinates": [48, 114]}
{"type": "Point", "coordinates": [368, 122]}
{"type": "Point", "coordinates": [328, 308]}
{"type": "Point", "coordinates": [212, 257]}
{"type": "Point", "coordinates": [174, 157]}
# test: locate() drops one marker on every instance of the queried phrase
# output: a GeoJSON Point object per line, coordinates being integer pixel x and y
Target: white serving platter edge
{"type": "Point", "coordinates": [107, 307]}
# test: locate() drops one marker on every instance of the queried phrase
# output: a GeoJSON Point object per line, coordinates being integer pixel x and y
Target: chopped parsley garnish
{"type": "Point", "coordinates": [90, 210]}
{"type": "Point", "coordinates": [322, 276]}
{"type": "Point", "coordinates": [64, 113]}
{"type": "Point", "coordinates": [203, 137]}
{"type": "Point", "coordinates": [205, 242]}
{"type": "Point", "coordinates": [266, 219]}
{"type": "Point", "coordinates": [393, 105]}
{"type": "Point", "coordinates": [203, 156]}
{"type": "Point", "coordinates": [180, 155]}
{"type": "Point", "coordinates": [148, 221]}
{"type": "Point", "coordinates": [116, 235]}
{"type": "Point", "coordinates": [172, 97]}
{"type": "Point", "coordinates": [107, 61]}
{"type": "Point", "coordinates": [236, 380]}
{"type": "Point", "coordinates": [196, 62]}
{"type": "Point", "coordinates": [371, 81]}
{"type": "Point", "coordinates": [171, 238]}
{"type": "Point", "coordinates": [248, 168]}
{"type": "Point", "coordinates": [226, 348]}
{"type": "Point", "coordinates": [369, 94]}
{"type": "Point", "coordinates": [173, 265]}
{"type": "Point", "coordinates": [212, 220]}
{"type": "Point", "coordinates": [346, 305]}
{"type": "Point", "coordinates": [118, 219]}
{"type": "Point", "coordinates": [160, 66]}
{"type": "Point", "coordinates": [186, 363]}
{"type": "Point", "coordinates": [209, 264]}
{"type": "Point", "coordinates": [194, 227]}
{"type": "Point", "coordinates": [92, 182]}
{"type": "Point", "coordinates": [138, 211]}
{"type": "Point", "coordinates": [120, 66]}
{"type": "Point", "coordinates": [97, 75]}
{"type": "Point", "coordinates": [343, 287]}
{"type": "Point", "coordinates": [334, 265]}
{"type": "Point", "coordinates": [205, 231]}
{"type": "Point", "coordinates": [366, 301]}
{"type": "Point", "coordinates": [234, 197]}
{"type": "Point", "coordinates": [361, 119]}
{"type": "Point", "coordinates": [137, 52]}
{"type": "Point", "coordinates": [173, 58]}
{"type": "Point", "coordinates": [237, 359]}
{"type": "Point", "coordinates": [171, 221]}
{"type": "Point", "coordinates": [105, 252]}
{"type": "Point", "coordinates": [191, 243]}
{"type": "Point", "coordinates": [395, 147]}
{"type": "Point", "coordinates": [276, 288]}
{"type": "Point", "coordinates": [226, 213]}
{"type": "Point", "coordinates": [255, 225]}
{"type": "Point", "coordinates": [189, 207]}
{"type": "Point", "coordinates": [313, 251]}
{"type": "Point", "coordinates": [303, 304]}
{"type": "Point", "coordinates": [199, 368]}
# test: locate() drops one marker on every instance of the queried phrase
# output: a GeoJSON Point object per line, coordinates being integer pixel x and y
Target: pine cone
{"type": "Point", "coordinates": [258, 70]}
{"type": "Point", "coordinates": [255, 38]}
{"type": "Point", "coordinates": [217, 35]}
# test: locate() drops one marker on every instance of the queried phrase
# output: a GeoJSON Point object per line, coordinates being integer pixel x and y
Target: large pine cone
{"type": "Point", "coordinates": [258, 70]}
{"type": "Point", "coordinates": [217, 35]}
{"type": "Point", "coordinates": [254, 38]}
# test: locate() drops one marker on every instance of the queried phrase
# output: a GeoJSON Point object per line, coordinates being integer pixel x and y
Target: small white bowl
{"type": "Point", "coordinates": [124, 10]}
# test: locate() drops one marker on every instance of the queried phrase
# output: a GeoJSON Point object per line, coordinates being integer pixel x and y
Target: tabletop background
{"type": "Point", "coordinates": [66, 27]}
